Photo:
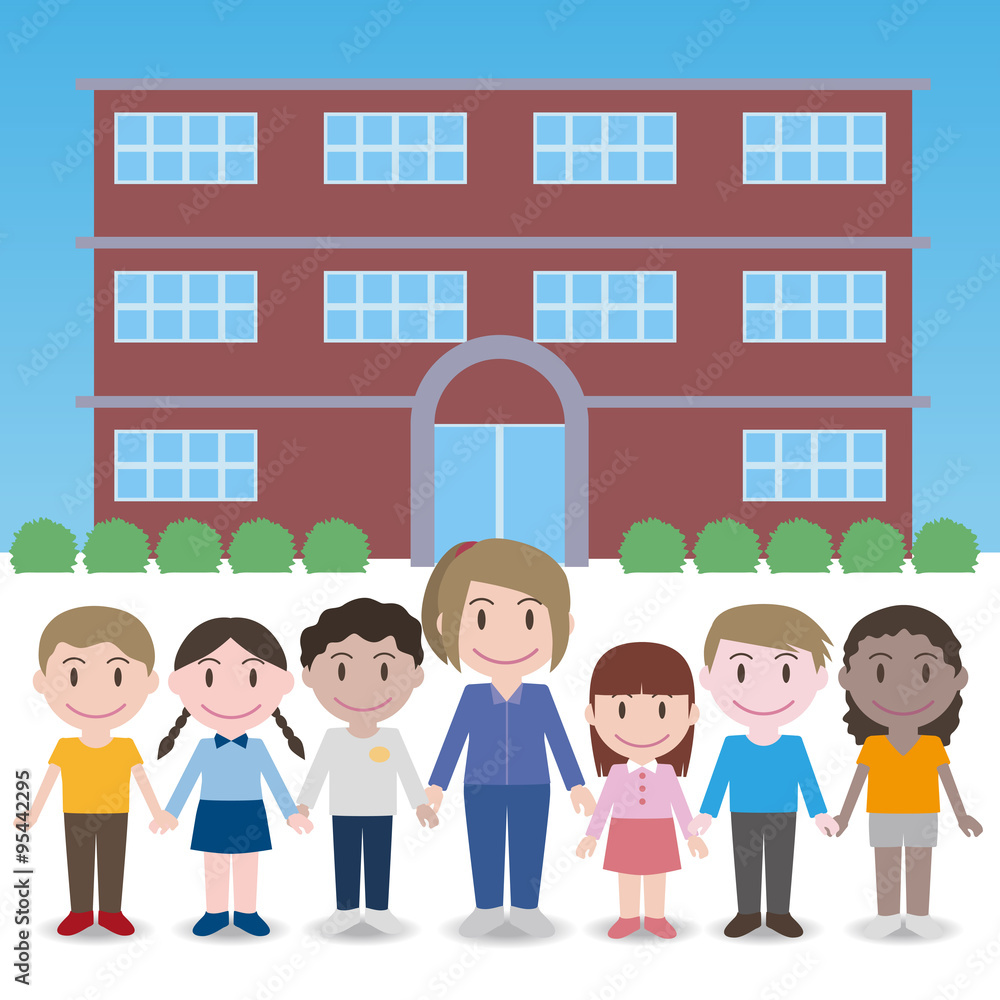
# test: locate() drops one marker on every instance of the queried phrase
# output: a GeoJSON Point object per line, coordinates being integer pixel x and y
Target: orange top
{"type": "Point", "coordinates": [903, 783]}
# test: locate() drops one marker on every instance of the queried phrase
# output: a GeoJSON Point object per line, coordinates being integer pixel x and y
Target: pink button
{"type": "Point", "coordinates": [642, 774]}
{"type": "Point", "coordinates": [642, 802]}
{"type": "Point", "coordinates": [642, 788]}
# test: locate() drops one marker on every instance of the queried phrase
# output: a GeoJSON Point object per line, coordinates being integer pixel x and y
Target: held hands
{"type": "Point", "coordinates": [582, 800]}
{"type": "Point", "coordinates": [841, 822]}
{"type": "Point", "coordinates": [162, 822]}
{"type": "Point", "coordinates": [697, 847]}
{"type": "Point", "coordinates": [300, 823]}
{"type": "Point", "coordinates": [427, 816]}
{"type": "Point", "coordinates": [825, 823]}
{"type": "Point", "coordinates": [586, 847]}
{"type": "Point", "coordinates": [435, 795]}
{"type": "Point", "coordinates": [699, 825]}
{"type": "Point", "coordinates": [969, 826]}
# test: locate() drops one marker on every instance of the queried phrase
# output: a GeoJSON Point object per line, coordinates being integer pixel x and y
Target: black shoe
{"type": "Point", "coordinates": [743, 923]}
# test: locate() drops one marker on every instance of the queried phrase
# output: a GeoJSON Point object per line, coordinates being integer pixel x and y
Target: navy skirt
{"type": "Point", "coordinates": [231, 826]}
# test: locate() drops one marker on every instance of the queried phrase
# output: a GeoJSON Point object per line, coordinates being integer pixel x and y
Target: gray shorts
{"type": "Point", "coordinates": [903, 829]}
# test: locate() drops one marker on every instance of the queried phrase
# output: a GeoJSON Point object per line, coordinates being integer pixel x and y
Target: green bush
{"type": "Point", "coordinates": [872, 546]}
{"type": "Point", "coordinates": [116, 546]}
{"type": "Point", "coordinates": [945, 546]}
{"type": "Point", "coordinates": [261, 546]}
{"type": "Point", "coordinates": [727, 546]}
{"type": "Point", "coordinates": [335, 546]}
{"type": "Point", "coordinates": [799, 546]}
{"type": "Point", "coordinates": [188, 546]}
{"type": "Point", "coordinates": [651, 546]}
{"type": "Point", "coordinates": [43, 546]}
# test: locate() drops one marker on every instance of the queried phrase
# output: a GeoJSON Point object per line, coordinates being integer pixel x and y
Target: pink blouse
{"type": "Point", "coordinates": [640, 791]}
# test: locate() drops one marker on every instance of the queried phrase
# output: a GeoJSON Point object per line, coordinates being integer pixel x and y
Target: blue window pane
{"type": "Point", "coordinates": [796, 130]}
{"type": "Point", "coordinates": [239, 166]}
{"type": "Point", "coordinates": [868, 484]}
{"type": "Point", "coordinates": [449, 324]}
{"type": "Point", "coordinates": [131, 166]}
{"type": "Point", "coordinates": [796, 484]}
{"type": "Point", "coordinates": [796, 288]}
{"type": "Point", "coordinates": [239, 447]}
{"type": "Point", "coordinates": [168, 484]}
{"type": "Point", "coordinates": [203, 484]}
{"type": "Point", "coordinates": [167, 130]}
{"type": "Point", "coordinates": [832, 324]}
{"type": "Point", "coordinates": [413, 324]}
{"type": "Point", "coordinates": [760, 324]}
{"type": "Point", "coordinates": [168, 324]}
{"type": "Point", "coordinates": [376, 166]}
{"type": "Point", "coordinates": [167, 288]}
{"type": "Point", "coordinates": [548, 166]}
{"type": "Point", "coordinates": [586, 288]}
{"type": "Point", "coordinates": [204, 166]}
{"type": "Point", "coordinates": [240, 130]}
{"type": "Point", "coordinates": [340, 130]}
{"type": "Point", "coordinates": [868, 166]}
{"type": "Point", "coordinates": [868, 324]}
{"type": "Point", "coordinates": [168, 447]}
{"type": "Point", "coordinates": [413, 130]}
{"type": "Point", "coordinates": [832, 447]}
{"type": "Point", "coordinates": [203, 324]}
{"type": "Point", "coordinates": [867, 130]}
{"type": "Point", "coordinates": [131, 130]}
{"type": "Point", "coordinates": [239, 287]}
{"type": "Point", "coordinates": [341, 324]}
{"type": "Point", "coordinates": [376, 324]}
{"type": "Point", "coordinates": [550, 324]}
{"type": "Point", "coordinates": [377, 288]}
{"type": "Point", "coordinates": [412, 288]}
{"type": "Point", "coordinates": [832, 484]}
{"type": "Point", "coordinates": [796, 324]}
{"type": "Point", "coordinates": [623, 130]}
{"type": "Point", "coordinates": [203, 447]}
{"type": "Point", "coordinates": [550, 130]}
{"type": "Point", "coordinates": [376, 129]}
{"type": "Point", "coordinates": [586, 324]}
{"type": "Point", "coordinates": [832, 287]}
{"type": "Point", "coordinates": [131, 288]}
{"type": "Point", "coordinates": [868, 288]}
{"type": "Point", "coordinates": [550, 288]}
{"type": "Point", "coordinates": [587, 166]}
{"type": "Point", "coordinates": [203, 288]}
{"type": "Point", "coordinates": [204, 130]}
{"type": "Point", "coordinates": [340, 287]}
{"type": "Point", "coordinates": [795, 166]}
{"type": "Point", "coordinates": [760, 287]}
{"type": "Point", "coordinates": [449, 130]}
{"type": "Point", "coordinates": [658, 166]}
{"type": "Point", "coordinates": [759, 484]}
{"type": "Point", "coordinates": [623, 287]}
{"type": "Point", "coordinates": [623, 166]}
{"type": "Point", "coordinates": [759, 167]}
{"type": "Point", "coordinates": [587, 130]}
{"type": "Point", "coordinates": [658, 130]}
{"type": "Point", "coordinates": [832, 130]}
{"type": "Point", "coordinates": [413, 166]}
{"type": "Point", "coordinates": [831, 166]}
{"type": "Point", "coordinates": [760, 130]}
{"type": "Point", "coordinates": [658, 324]}
{"type": "Point", "coordinates": [449, 288]}
{"type": "Point", "coordinates": [340, 167]}
{"type": "Point", "coordinates": [449, 167]}
{"type": "Point", "coordinates": [796, 447]}
{"type": "Point", "coordinates": [623, 324]}
{"type": "Point", "coordinates": [131, 484]}
{"type": "Point", "coordinates": [867, 447]}
{"type": "Point", "coordinates": [131, 324]}
{"type": "Point", "coordinates": [131, 448]}
{"type": "Point", "coordinates": [759, 447]}
{"type": "Point", "coordinates": [240, 324]}
{"type": "Point", "coordinates": [240, 484]}
{"type": "Point", "coordinates": [167, 166]}
{"type": "Point", "coordinates": [658, 288]}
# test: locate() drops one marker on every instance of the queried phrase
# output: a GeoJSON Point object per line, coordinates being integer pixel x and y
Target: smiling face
{"type": "Point", "coordinates": [641, 726]}
{"type": "Point", "coordinates": [360, 681]}
{"type": "Point", "coordinates": [901, 680]}
{"type": "Point", "coordinates": [230, 690]}
{"type": "Point", "coordinates": [758, 684]}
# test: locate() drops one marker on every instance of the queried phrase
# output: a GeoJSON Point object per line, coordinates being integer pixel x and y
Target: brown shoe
{"type": "Point", "coordinates": [743, 923]}
{"type": "Point", "coordinates": [784, 923]}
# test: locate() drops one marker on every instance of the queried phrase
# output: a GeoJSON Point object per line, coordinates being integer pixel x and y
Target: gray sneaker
{"type": "Point", "coordinates": [532, 922]}
{"type": "Point", "coordinates": [480, 922]}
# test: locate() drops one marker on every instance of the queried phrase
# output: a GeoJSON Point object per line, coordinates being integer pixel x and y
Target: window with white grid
{"type": "Point", "coordinates": [166, 306]}
{"type": "Point", "coordinates": [825, 148]}
{"type": "Point", "coordinates": [605, 305]}
{"type": "Point", "coordinates": [418, 306]}
{"type": "Point", "coordinates": [814, 465]}
{"type": "Point", "coordinates": [802, 306]}
{"type": "Point", "coordinates": [605, 149]}
{"type": "Point", "coordinates": [186, 465]}
{"type": "Point", "coordinates": [186, 148]}
{"type": "Point", "coordinates": [406, 148]}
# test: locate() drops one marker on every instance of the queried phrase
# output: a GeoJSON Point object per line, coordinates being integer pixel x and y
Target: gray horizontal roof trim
{"type": "Point", "coordinates": [512, 84]}
{"type": "Point", "coordinates": [405, 402]}
{"type": "Point", "coordinates": [503, 242]}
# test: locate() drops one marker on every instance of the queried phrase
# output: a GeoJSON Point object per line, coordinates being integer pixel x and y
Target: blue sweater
{"type": "Point", "coordinates": [763, 779]}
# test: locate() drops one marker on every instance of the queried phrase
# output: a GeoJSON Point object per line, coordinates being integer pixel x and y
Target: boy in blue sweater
{"type": "Point", "coordinates": [764, 664]}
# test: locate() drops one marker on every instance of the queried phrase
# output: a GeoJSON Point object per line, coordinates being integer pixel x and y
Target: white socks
{"type": "Point", "coordinates": [340, 921]}
{"type": "Point", "coordinates": [883, 926]}
{"type": "Point", "coordinates": [924, 926]}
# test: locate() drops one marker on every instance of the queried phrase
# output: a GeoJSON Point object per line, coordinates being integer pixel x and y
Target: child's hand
{"type": "Point", "coordinates": [300, 823]}
{"type": "Point", "coordinates": [162, 822]}
{"type": "Point", "coordinates": [586, 847]}
{"type": "Point", "coordinates": [435, 795]}
{"type": "Point", "coordinates": [969, 826]}
{"type": "Point", "coordinates": [699, 825]}
{"type": "Point", "coordinates": [304, 810]}
{"type": "Point", "coordinates": [427, 816]}
{"type": "Point", "coordinates": [697, 847]}
{"type": "Point", "coordinates": [841, 822]}
{"type": "Point", "coordinates": [581, 798]}
{"type": "Point", "coordinates": [30, 821]}
{"type": "Point", "coordinates": [825, 823]}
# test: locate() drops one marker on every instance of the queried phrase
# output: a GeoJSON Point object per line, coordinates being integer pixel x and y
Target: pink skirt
{"type": "Point", "coordinates": [642, 847]}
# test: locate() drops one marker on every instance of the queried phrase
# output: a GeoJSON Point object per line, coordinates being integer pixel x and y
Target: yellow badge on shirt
{"type": "Point", "coordinates": [379, 754]}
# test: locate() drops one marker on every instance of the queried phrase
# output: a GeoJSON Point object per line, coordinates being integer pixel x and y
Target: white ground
{"type": "Point", "coordinates": [431, 888]}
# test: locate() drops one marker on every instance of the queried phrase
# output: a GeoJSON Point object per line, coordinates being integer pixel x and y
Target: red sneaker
{"type": "Point", "coordinates": [115, 922]}
{"type": "Point", "coordinates": [76, 922]}
{"type": "Point", "coordinates": [623, 927]}
{"type": "Point", "coordinates": [661, 927]}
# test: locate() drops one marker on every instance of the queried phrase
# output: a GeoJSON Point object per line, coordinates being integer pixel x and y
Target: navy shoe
{"type": "Point", "coordinates": [210, 923]}
{"type": "Point", "coordinates": [251, 923]}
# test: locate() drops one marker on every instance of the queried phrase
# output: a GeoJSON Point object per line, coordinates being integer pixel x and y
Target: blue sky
{"type": "Point", "coordinates": [46, 284]}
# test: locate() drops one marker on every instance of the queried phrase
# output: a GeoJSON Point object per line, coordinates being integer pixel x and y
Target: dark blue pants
{"type": "Point", "coordinates": [349, 834]}
{"type": "Point", "coordinates": [519, 815]}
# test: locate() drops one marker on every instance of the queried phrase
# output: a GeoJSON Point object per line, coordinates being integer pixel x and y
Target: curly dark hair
{"type": "Point", "coordinates": [369, 619]}
{"type": "Point", "coordinates": [916, 621]}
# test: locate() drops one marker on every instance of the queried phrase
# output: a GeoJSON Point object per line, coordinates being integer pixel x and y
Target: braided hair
{"type": "Point", "coordinates": [167, 743]}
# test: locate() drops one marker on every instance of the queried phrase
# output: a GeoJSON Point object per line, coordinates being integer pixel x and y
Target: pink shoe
{"type": "Point", "coordinates": [661, 927]}
{"type": "Point", "coordinates": [623, 927]}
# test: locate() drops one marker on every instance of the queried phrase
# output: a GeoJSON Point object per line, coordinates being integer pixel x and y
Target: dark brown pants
{"type": "Point", "coordinates": [102, 834]}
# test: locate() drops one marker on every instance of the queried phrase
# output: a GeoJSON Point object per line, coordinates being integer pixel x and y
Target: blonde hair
{"type": "Point", "coordinates": [82, 627]}
{"type": "Point", "coordinates": [501, 562]}
{"type": "Point", "coordinates": [771, 625]}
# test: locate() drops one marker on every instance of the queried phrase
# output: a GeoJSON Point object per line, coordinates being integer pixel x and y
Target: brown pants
{"type": "Point", "coordinates": [103, 834]}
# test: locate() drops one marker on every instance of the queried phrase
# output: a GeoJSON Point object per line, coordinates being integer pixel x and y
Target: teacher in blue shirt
{"type": "Point", "coordinates": [501, 608]}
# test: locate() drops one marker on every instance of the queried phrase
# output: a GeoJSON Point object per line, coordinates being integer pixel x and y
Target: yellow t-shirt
{"type": "Point", "coordinates": [903, 783]}
{"type": "Point", "coordinates": [95, 779]}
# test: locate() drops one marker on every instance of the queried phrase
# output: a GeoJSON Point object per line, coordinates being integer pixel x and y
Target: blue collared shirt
{"type": "Point", "coordinates": [506, 739]}
{"type": "Point", "coordinates": [231, 771]}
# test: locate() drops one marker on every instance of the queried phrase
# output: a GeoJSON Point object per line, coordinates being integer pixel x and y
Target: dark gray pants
{"type": "Point", "coordinates": [754, 835]}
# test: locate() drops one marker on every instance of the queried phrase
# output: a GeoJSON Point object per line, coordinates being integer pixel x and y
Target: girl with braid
{"type": "Point", "coordinates": [231, 674]}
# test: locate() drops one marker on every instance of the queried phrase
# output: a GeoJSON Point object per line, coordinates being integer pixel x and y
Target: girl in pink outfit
{"type": "Point", "coordinates": [642, 715]}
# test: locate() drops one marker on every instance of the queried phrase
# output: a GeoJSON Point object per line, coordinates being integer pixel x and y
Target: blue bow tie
{"type": "Point", "coordinates": [239, 741]}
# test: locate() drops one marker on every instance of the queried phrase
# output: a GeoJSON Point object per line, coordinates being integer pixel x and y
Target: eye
{"type": "Point", "coordinates": [926, 672]}
{"type": "Point", "coordinates": [621, 710]}
{"type": "Point", "coordinates": [208, 677]}
{"type": "Point", "coordinates": [481, 618]}
{"type": "Point", "coordinates": [73, 677]}
{"type": "Point", "coordinates": [529, 618]}
{"type": "Point", "coordinates": [741, 673]}
{"type": "Point", "coordinates": [253, 677]}
{"type": "Point", "coordinates": [880, 673]}
{"type": "Point", "coordinates": [385, 671]}
{"type": "Point", "coordinates": [118, 677]}
{"type": "Point", "coordinates": [341, 671]}
{"type": "Point", "coordinates": [663, 709]}
{"type": "Point", "coordinates": [786, 673]}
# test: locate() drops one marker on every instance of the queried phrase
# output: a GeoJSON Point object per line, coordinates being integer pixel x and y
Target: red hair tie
{"type": "Point", "coordinates": [464, 547]}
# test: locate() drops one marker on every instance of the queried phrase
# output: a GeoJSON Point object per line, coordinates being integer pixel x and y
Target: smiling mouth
{"type": "Point", "coordinates": [351, 708]}
{"type": "Point", "coordinates": [504, 663]}
{"type": "Point", "coordinates": [219, 715]}
{"type": "Point", "coordinates": [87, 715]}
{"type": "Point", "coordinates": [916, 711]}
{"type": "Point", "coordinates": [743, 708]}
{"type": "Point", "coordinates": [641, 746]}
